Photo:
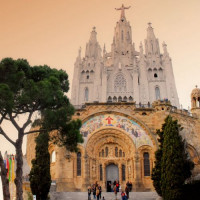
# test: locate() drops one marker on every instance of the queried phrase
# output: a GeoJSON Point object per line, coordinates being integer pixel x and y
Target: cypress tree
{"type": "Point", "coordinates": [156, 172]}
{"type": "Point", "coordinates": [40, 178]}
{"type": "Point", "coordinates": [175, 165]}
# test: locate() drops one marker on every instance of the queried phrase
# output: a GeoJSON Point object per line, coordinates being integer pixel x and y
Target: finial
{"type": "Point", "coordinates": [149, 24]}
{"type": "Point", "coordinates": [196, 86]}
{"type": "Point", "coordinates": [94, 28]}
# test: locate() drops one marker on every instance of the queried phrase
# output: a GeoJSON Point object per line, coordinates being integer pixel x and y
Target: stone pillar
{"type": "Point", "coordinates": [120, 173]}
{"type": "Point", "coordinates": [137, 173]}
{"type": "Point", "coordinates": [86, 173]}
{"type": "Point", "coordinates": [104, 176]}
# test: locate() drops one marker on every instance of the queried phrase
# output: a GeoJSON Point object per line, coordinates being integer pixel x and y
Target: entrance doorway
{"type": "Point", "coordinates": [112, 174]}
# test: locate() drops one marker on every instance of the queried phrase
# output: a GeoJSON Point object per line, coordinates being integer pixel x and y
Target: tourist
{"type": "Point", "coordinates": [127, 192]}
{"type": "Point", "coordinates": [117, 185]}
{"type": "Point", "coordinates": [131, 185]}
{"type": "Point", "coordinates": [123, 195]}
{"type": "Point", "coordinates": [89, 192]}
{"type": "Point", "coordinates": [97, 193]}
{"type": "Point", "coordinates": [115, 191]}
{"type": "Point", "coordinates": [100, 190]}
{"type": "Point", "coordinates": [94, 191]}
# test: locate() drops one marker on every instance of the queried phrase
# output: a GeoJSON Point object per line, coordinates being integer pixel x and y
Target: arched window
{"type": "Point", "coordinates": [119, 99]}
{"type": "Point", "coordinates": [116, 151]}
{"type": "Point", "coordinates": [120, 83]}
{"type": "Point", "coordinates": [123, 172]}
{"type": "Point", "coordinates": [86, 94]}
{"type": "Point", "coordinates": [109, 99]}
{"type": "Point", "coordinates": [125, 99]}
{"type": "Point", "coordinates": [102, 153]}
{"type": "Point", "coordinates": [53, 156]}
{"type": "Point", "coordinates": [114, 99]}
{"type": "Point", "coordinates": [79, 164]}
{"type": "Point", "coordinates": [106, 151]}
{"type": "Point", "coordinates": [120, 153]}
{"type": "Point", "coordinates": [101, 172]}
{"type": "Point", "coordinates": [157, 91]}
{"type": "Point", "coordinates": [130, 99]}
{"type": "Point", "coordinates": [146, 164]}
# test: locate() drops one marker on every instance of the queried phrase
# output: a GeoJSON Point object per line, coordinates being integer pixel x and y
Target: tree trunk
{"type": "Point", "coordinates": [5, 182]}
{"type": "Point", "coordinates": [19, 172]}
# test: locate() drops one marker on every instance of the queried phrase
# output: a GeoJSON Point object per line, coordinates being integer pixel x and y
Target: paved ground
{"type": "Point", "coordinates": [107, 195]}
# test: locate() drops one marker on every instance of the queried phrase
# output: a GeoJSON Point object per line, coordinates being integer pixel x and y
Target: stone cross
{"type": "Point", "coordinates": [122, 10]}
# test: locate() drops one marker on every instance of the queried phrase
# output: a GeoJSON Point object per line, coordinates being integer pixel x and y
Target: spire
{"type": "Point", "coordinates": [151, 43]}
{"type": "Point", "coordinates": [79, 52]}
{"type": "Point", "coordinates": [122, 11]}
{"type": "Point", "coordinates": [141, 48]}
{"type": "Point", "coordinates": [93, 36]}
{"type": "Point", "coordinates": [92, 48]}
{"type": "Point", "coordinates": [150, 33]}
{"type": "Point", "coordinates": [165, 49]}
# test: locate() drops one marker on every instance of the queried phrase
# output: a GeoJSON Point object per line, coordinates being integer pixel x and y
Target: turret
{"type": "Point", "coordinates": [195, 101]}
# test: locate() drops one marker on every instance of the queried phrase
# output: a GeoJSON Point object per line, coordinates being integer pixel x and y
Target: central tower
{"type": "Point", "coordinates": [124, 74]}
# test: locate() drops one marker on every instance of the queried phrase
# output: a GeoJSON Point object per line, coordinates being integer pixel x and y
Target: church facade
{"type": "Point", "coordinates": [122, 97]}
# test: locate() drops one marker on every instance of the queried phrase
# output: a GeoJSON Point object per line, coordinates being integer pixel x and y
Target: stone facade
{"type": "Point", "coordinates": [124, 74]}
{"type": "Point", "coordinates": [122, 97]}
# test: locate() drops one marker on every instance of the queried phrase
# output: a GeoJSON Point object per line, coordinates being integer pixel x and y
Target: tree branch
{"type": "Point", "coordinates": [28, 121]}
{"type": "Point", "coordinates": [34, 131]}
{"type": "Point", "coordinates": [6, 136]}
{"type": "Point", "coordinates": [14, 122]}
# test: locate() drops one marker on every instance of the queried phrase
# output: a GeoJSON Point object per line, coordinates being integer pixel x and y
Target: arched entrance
{"type": "Point", "coordinates": [112, 174]}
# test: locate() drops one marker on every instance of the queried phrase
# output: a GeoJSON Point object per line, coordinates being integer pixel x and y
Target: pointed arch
{"type": "Point", "coordinates": [120, 83]}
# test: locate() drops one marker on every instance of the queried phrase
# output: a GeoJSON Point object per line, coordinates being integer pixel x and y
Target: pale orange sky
{"type": "Point", "coordinates": [51, 32]}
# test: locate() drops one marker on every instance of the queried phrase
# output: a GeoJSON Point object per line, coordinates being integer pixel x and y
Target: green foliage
{"type": "Point", "coordinates": [40, 178]}
{"type": "Point", "coordinates": [175, 165]}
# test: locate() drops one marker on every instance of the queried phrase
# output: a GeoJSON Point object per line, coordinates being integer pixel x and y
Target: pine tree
{"type": "Point", "coordinates": [175, 165]}
{"type": "Point", "coordinates": [40, 178]}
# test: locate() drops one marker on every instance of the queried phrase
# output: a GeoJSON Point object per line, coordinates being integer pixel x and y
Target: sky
{"type": "Point", "coordinates": [51, 32]}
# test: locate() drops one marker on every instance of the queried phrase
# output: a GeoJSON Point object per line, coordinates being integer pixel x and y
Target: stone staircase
{"type": "Point", "coordinates": [107, 196]}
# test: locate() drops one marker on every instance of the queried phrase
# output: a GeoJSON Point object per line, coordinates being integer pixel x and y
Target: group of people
{"type": "Point", "coordinates": [96, 190]}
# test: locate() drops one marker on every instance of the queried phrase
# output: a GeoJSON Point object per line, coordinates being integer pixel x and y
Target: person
{"type": "Point", "coordinates": [127, 192]}
{"type": "Point", "coordinates": [89, 192]}
{"type": "Point", "coordinates": [117, 185]}
{"type": "Point", "coordinates": [123, 195]}
{"type": "Point", "coordinates": [94, 191]}
{"type": "Point", "coordinates": [97, 192]}
{"type": "Point", "coordinates": [100, 190]}
{"type": "Point", "coordinates": [115, 191]}
{"type": "Point", "coordinates": [103, 198]}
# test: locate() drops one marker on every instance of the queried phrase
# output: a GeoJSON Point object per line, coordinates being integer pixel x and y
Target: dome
{"type": "Point", "coordinates": [195, 92]}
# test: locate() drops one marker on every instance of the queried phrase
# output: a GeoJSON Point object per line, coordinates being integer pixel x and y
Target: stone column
{"type": "Point", "coordinates": [86, 173]}
{"type": "Point", "coordinates": [104, 176]}
{"type": "Point", "coordinates": [120, 173]}
{"type": "Point", "coordinates": [137, 173]}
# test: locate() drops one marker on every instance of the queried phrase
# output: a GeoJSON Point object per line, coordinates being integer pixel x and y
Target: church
{"type": "Point", "coordinates": [122, 97]}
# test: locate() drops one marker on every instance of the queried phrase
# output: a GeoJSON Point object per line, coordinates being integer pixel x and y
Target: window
{"type": "Point", "coordinates": [101, 172]}
{"type": "Point", "coordinates": [88, 76]}
{"type": "Point", "coordinates": [53, 156]}
{"type": "Point", "coordinates": [114, 99]}
{"type": "Point", "coordinates": [120, 99]}
{"type": "Point", "coordinates": [155, 75]}
{"type": "Point", "coordinates": [146, 164]}
{"type": "Point", "coordinates": [106, 151]}
{"type": "Point", "coordinates": [123, 173]}
{"type": "Point", "coordinates": [109, 99]}
{"type": "Point", "coordinates": [120, 153]}
{"type": "Point", "coordinates": [102, 153]}
{"type": "Point", "coordinates": [122, 35]}
{"type": "Point", "coordinates": [79, 164]}
{"type": "Point", "coordinates": [157, 91]}
{"type": "Point", "coordinates": [120, 83]}
{"type": "Point", "coordinates": [130, 99]}
{"type": "Point", "coordinates": [116, 151]}
{"type": "Point", "coordinates": [125, 99]}
{"type": "Point", "coordinates": [86, 94]}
